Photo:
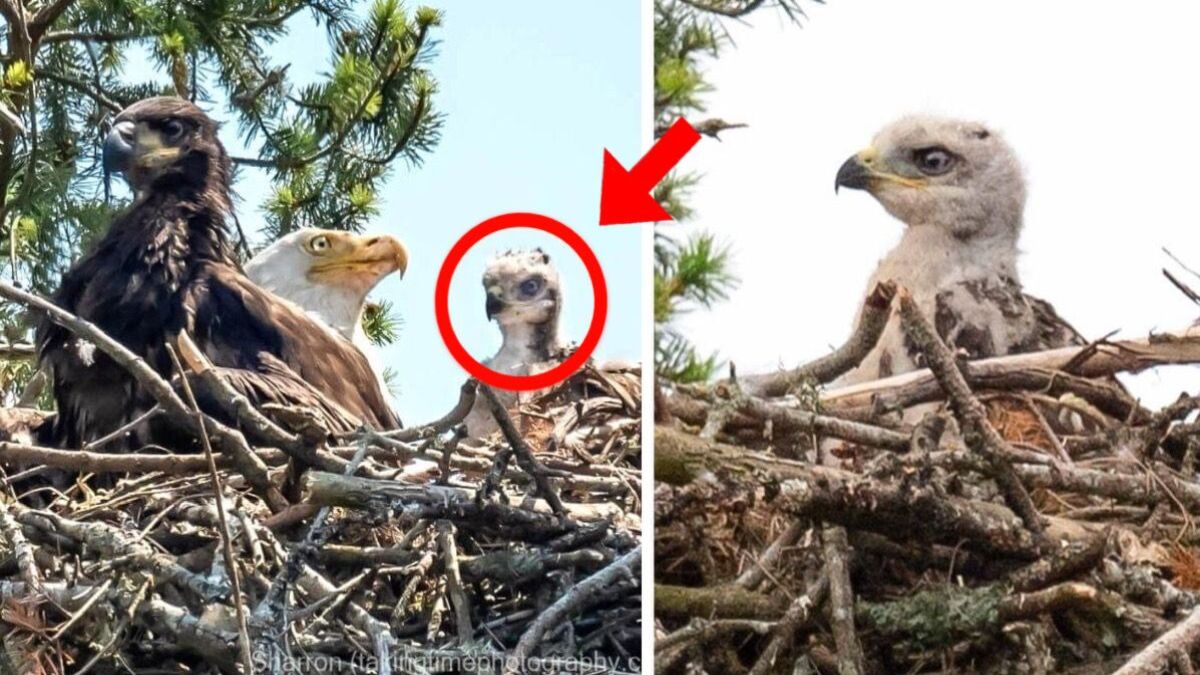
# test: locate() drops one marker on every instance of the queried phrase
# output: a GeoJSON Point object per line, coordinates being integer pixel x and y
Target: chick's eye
{"type": "Point", "coordinates": [933, 161]}
{"type": "Point", "coordinates": [173, 129]}
{"type": "Point", "coordinates": [318, 244]}
{"type": "Point", "coordinates": [531, 286]}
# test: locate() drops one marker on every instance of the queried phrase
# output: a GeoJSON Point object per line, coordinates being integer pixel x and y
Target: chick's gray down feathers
{"type": "Point", "coordinates": [524, 298]}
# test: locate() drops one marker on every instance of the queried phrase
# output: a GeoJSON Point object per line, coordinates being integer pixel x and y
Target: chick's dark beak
{"type": "Point", "coordinates": [119, 147]}
{"type": "Point", "coordinates": [494, 305]}
{"type": "Point", "coordinates": [853, 174]}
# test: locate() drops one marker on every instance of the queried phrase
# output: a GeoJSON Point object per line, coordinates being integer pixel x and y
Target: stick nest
{"type": "Point", "coordinates": [414, 551]}
{"type": "Point", "coordinates": [1006, 516]}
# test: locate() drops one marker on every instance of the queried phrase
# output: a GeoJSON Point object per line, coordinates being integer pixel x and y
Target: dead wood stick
{"type": "Point", "coordinates": [755, 572]}
{"type": "Point", "coordinates": [717, 602]}
{"type": "Point", "coordinates": [522, 451]}
{"type": "Point", "coordinates": [100, 462]}
{"type": "Point", "coordinates": [272, 610]}
{"type": "Point", "coordinates": [119, 547]}
{"type": "Point", "coordinates": [22, 550]}
{"type": "Point", "coordinates": [127, 617]}
{"type": "Point", "coordinates": [841, 601]}
{"type": "Point", "coordinates": [454, 582]}
{"type": "Point", "coordinates": [1128, 488]}
{"type": "Point", "coordinates": [517, 566]}
{"type": "Point", "coordinates": [419, 572]}
{"type": "Point", "coordinates": [315, 586]}
{"type": "Point", "coordinates": [871, 322]}
{"type": "Point", "coordinates": [466, 400]}
{"type": "Point", "coordinates": [190, 632]}
{"type": "Point", "coordinates": [574, 475]}
{"type": "Point", "coordinates": [33, 389]}
{"type": "Point", "coordinates": [857, 402]}
{"type": "Point", "coordinates": [1121, 356]}
{"type": "Point", "coordinates": [577, 598]}
{"type": "Point", "coordinates": [703, 631]}
{"type": "Point", "coordinates": [330, 489]}
{"type": "Point", "coordinates": [17, 351]}
{"type": "Point", "coordinates": [929, 619]}
{"type": "Point", "coordinates": [798, 615]}
{"type": "Point", "coordinates": [218, 494]}
{"type": "Point", "coordinates": [172, 621]}
{"type": "Point", "coordinates": [1062, 563]}
{"type": "Point", "coordinates": [1156, 656]}
{"type": "Point", "coordinates": [122, 430]}
{"type": "Point", "coordinates": [978, 433]}
{"type": "Point", "coordinates": [788, 420]}
{"type": "Point", "coordinates": [857, 502]}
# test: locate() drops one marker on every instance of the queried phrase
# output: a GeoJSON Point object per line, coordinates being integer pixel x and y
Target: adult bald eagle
{"type": "Point", "coordinates": [524, 297]}
{"type": "Point", "coordinates": [329, 273]}
{"type": "Point", "coordinates": [958, 188]}
{"type": "Point", "coordinates": [166, 266]}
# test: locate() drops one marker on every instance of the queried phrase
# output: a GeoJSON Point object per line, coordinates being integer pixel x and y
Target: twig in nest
{"type": "Point", "coordinates": [101, 462]}
{"type": "Point", "coordinates": [523, 453]}
{"type": "Point", "coordinates": [978, 433]}
{"type": "Point", "coordinates": [466, 400]}
{"type": "Point", "coordinates": [797, 615]}
{"type": "Point", "coordinates": [876, 310]}
{"type": "Point", "coordinates": [235, 576]}
{"type": "Point", "coordinates": [575, 600]}
{"type": "Point", "coordinates": [841, 601]}
{"type": "Point", "coordinates": [1183, 288]}
{"type": "Point", "coordinates": [10, 532]}
{"type": "Point", "coordinates": [273, 608]}
{"type": "Point", "coordinates": [756, 571]}
{"type": "Point", "coordinates": [454, 582]}
{"type": "Point", "coordinates": [1152, 660]}
{"type": "Point", "coordinates": [122, 430]}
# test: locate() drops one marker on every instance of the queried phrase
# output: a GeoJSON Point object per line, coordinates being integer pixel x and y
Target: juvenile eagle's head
{"type": "Point", "coordinates": [952, 174]}
{"type": "Point", "coordinates": [523, 290]}
{"type": "Point", "coordinates": [165, 142]}
{"type": "Point", "coordinates": [328, 272]}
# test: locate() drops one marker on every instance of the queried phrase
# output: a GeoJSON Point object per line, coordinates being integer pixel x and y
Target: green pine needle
{"type": "Point", "coordinates": [381, 323]}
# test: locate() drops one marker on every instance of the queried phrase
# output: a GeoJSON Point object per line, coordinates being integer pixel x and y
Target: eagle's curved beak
{"type": "Point", "coordinates": [390, 251]}
{"type": "Point", "coordinates": [870, 171]}
{"type": "Point", "coordinates": [853, 174]}
{"type": "Point", "coordinates": [495, 305]}
{"type": "Point", "coordinates": [361, 261]}
{"type": "Point", "coordinates": [119, 147]}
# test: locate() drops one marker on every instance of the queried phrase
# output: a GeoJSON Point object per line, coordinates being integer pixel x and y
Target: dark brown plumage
{"type": "Point", "coordinates": [166, 266]}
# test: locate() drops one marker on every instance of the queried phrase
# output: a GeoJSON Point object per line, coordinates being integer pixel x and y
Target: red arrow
{"type": "Point", "coordinates": [625, 195]}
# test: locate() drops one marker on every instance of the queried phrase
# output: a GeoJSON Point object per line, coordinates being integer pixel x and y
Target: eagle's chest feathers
{"type": "Point", "coordinates": [967, 289]}
{"type": "Point", "coordinates": [524, 345]}
{"type": "Point", "coordinates": [134, 286]}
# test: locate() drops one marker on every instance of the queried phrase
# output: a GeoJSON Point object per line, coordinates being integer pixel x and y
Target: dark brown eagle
{"type": "Point", "coordinates": [166, 266]}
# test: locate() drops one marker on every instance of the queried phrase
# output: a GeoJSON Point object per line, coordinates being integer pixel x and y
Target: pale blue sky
{"type": "Point", "coordinates": [532, 92]}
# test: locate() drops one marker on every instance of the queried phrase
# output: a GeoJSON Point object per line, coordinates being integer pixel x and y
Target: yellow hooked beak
{"type": "Point", "coordinates": [350, 259]}
{"type": "Point", "coordinates": [866, 170]}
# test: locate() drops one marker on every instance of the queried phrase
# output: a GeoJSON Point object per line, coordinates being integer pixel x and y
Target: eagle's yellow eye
{"type": "Point", "coordinates": [318, 244]}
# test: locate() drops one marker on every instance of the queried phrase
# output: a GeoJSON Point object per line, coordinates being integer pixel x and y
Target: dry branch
{"type": "Point", "coordinates": [871, 321]}
{"type": "Point", "coordinates": [1172, 348]}
{"type": "Point", "coordinates": [978, 432]}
